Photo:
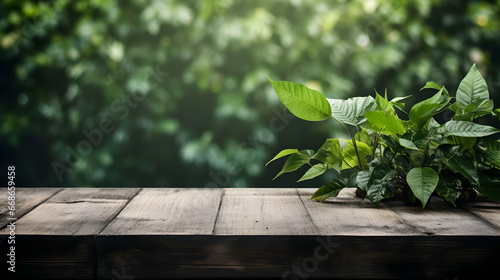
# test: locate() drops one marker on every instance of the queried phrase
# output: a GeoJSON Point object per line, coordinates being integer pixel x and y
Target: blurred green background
{"type": "Point", "coordinates": [175, 94]}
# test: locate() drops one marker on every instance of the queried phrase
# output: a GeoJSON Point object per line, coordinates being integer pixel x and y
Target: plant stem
{"type": "Point", "coordinates": [426, 155]}
{"type": "Point", "coordinates": [357, 153]}
{"type": "Point", "coordinates": [349, 166]}
{"type": "Point", "coordinates": [375, 145]}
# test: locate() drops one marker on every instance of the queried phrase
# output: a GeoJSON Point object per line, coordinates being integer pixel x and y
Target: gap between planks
{"type": "Point", "coordinates": [35, 197]}
{"type": "Point", "coordinates": [118, 213]}
{"type": "Point", "coordinates": [172, 211]}
{"type": "Point", "coordinates": [79, 211]}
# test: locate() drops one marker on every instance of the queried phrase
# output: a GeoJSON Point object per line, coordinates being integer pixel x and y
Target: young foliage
{"type": "Point", "coordinates": [421, 112]}
{"type": "Point", "coordinates": [352, 110]}
{"type": "Point", "coordinates": [355, 156]}
{"type": "Point", "coordinates": [473, 89]}
{"type": "Point", "coordinates": [330, 154]}
{"type": "Point", "coordinates": [303, 102]}
{"type": "Point", "coordinates": [294, 162]}
{"type": "Point", "coordinates": [390, 156]}
{"type": "Point", "coordinates": [315, 171]}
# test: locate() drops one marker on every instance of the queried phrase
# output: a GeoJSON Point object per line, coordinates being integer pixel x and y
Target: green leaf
{"type": "Point", "coordinates": [283, 153]}
{"type": "Point", "coordinates": [313, 172]}
{"type": "Point", "coordinates": [471, 112]}
{"type": "Point", "coordinates": [294, 162]}
{"type": "Point", "coordinates": [484, 109]}
{"type": "Point", "coordinates": [307, 152]}
{"type": "Point", "coordinates": [469, 108]}
{"type": "Point", "coordinates": [352, 110]}
{"type": "Point", "coordinates": [377, 187]}
{"type": "Point", "coordinates": [400, 106]}
{"type": "Point", "coordinates": [433, 124]}
{"type": "Point", "coordinates": [457, 162]}
{"type": "Point", "coordinates": [331, 154]}
{"type": "Point", "coordinates": [363, 136]}
{"type": "Point", "coordinates": [385, 123]}
{"type": "Point", "coordinates": [472, 89]}
{"type": "Point", "coordinates": [449, 186]}
{"type": "Point", "coordinates": [422, 181]}
{"type": "Point", "coordinates": [497, 112]}
{"type": "Point", "coordinates": [392, 142]}
{"type": "Point", "coordinates": [403, 165]}
{"type": "Point", "coordinates": [407, 144]}
{"type": "Point", "coordinates": [350, 157]}
{"type": "Point", "coordinates": [466, 129]}
{"type": "Point", "coordinates": [422, 138]}
{"type": "Point", "coordinates": [492, 153]}
{"type": "Point", "coordinates": [383, 104]}
{"type": "Point", "coordinates": [446, 152]}
{"type": "Point", "coordinates": [396, 100]}
{"type": "Point", "coordinates": [351, 183]}
{"type": "Point", "coordinates": [330, 189]}
{"type": "Point", "coordinates": [464, 142]}
{"type": "Point", "coordinates": [362, 179]}
{"type": "Point", "coordinates": [434, 85]}
{"type": "Point", "coordinates": [490, 185]}
{"type": "Point", "coordinates": [303, 102]}
{"type": "Point", "coordinates": [421, 112]}
{"type": "Point", "coordinates": [387, 157]}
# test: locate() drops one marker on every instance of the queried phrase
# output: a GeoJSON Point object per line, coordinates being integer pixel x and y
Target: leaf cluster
{"type": "Point", "coordinates": [389, 156]}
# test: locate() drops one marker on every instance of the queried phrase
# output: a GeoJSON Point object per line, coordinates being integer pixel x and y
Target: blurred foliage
{"type": "Point", "coordinates": [207, 115]}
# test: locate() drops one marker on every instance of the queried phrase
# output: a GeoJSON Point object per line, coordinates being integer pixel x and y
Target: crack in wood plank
{"type": "Point", "coordinates": [218, 210]}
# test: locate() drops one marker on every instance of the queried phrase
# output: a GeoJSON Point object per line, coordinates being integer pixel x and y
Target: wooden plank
{"type": "Point", "coordinates": [178, 234]}
{"type": "Point", "coordinates": [347, 214]}
{"type": "Point", "coordinates": [83, 211]}
{"type": "Point", "coordinates": [441, 218]}
{"type": "Point", "coordinates": [263, 212]}
{"type": "Point", "coordinates": [74, 195]}
{"type": "Point", "coordinates": [289, 257]}
{"type": "Point", "coordinates": [486, 209]}
{"type": "Point", "coordinates": [52, 257]}
{"type": "Point", "coordinates": [168, 211]}
{"type": "Point", "coordinates": [56, 239]}
{"type": "Point", "coordinates": [26, 200]}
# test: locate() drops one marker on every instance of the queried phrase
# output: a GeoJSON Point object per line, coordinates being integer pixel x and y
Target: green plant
{"type": "Point", "coordinates": [387, 156]}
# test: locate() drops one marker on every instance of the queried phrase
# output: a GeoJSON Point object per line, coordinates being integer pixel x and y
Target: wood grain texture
{"type": "Point", "coordinates": [168, 211]}
{"type": "Point", "coordinates": [486, 209]}
{"type": "Point", "coordinates": [297, 257]}
{"type": "Point", "coordinates": [26, 200]}
{"type": "Point", "coordinates": [74, 212]}
{"type": "Point", "coordinates": [441, 218]}
{"type": "Point", "coordinates": [52, 257]}
{"type": "Point", "coordinates": [214, 234]}
{"type": "Point", "coordinates": [347, 214]}
{"type": "Point", "coordinates": [74, 195]}
{"type": "Point", "coordinates": [263, 212]}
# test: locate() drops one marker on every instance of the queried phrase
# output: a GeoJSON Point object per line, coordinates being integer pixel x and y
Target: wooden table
{"type": "Point", "coordinates": [105, 233]}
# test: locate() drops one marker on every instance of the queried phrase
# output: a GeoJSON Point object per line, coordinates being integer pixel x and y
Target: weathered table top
{"type": "Point", "coordinates": [165, 233]}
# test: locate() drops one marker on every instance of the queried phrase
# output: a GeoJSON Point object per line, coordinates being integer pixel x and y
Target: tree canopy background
{"type": "Point", "coordinates": [178, 89]}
